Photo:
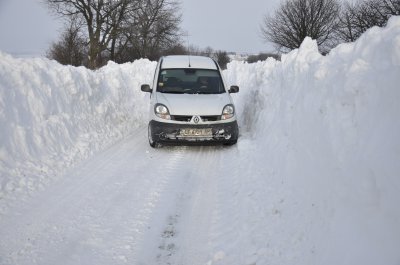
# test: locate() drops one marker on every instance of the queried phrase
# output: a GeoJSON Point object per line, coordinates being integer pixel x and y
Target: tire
{"type": "Point", "coordinates": [152, 143]}
{"type": "Point", "coordinates": [233, 142]}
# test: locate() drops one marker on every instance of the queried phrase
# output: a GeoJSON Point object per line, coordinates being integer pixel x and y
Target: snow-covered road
{"type": "Point", "coordinates": [133, 205]}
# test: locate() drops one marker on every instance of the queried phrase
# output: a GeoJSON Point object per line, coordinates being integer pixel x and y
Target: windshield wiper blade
{"type": "Point", "coordinates": [173, 92]}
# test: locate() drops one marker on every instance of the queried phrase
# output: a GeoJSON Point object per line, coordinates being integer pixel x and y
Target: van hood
{"type": "Point", "coordinates": [194, 104]}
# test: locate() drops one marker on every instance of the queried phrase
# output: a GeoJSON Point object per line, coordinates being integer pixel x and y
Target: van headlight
{"type": "Point", "coordinates": [228, 112]}
{"type": "Point", "coordinates": [162, 112]}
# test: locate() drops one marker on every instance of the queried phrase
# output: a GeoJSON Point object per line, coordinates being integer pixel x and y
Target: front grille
{"type": "Point", "coordinates": [210, 118]}
{"type": "Point", "coordinates": [185, 118]}
{"type": "Point", "coordinates": [181, 118]}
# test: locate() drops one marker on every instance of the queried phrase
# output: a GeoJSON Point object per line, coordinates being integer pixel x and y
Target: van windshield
{"type": "Point", "coordinates": [190, 81]}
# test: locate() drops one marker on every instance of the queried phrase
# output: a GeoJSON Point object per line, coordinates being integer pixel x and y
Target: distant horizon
{"type": "Point", "coordinates": [237, 32]}
{"type": "Point", "coordinates": [27, 54]}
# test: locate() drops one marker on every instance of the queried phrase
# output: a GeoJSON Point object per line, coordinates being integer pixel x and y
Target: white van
{"type": "Point", "coordinates": [189, 103]}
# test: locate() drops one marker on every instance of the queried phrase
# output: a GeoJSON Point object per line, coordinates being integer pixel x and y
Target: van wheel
{"type": "Point", "coordinates": [230, 143]}
{"type": "Point", "coordinates": [152, 143]}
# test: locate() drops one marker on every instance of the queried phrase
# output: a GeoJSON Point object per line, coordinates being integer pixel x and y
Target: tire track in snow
{"type": "Point", "coordinates": [98, 214]}
{"type": "Point", "coordinates": [224, 237]}
{"type": "Point", "coordinates": [188, 230]}
{"type": "Point", "coordinates": [160, 228]}
{"type": "Point", "coordinates": [136, 205]}
{"type": "Point", "coordinates": [253, 199]}
{"type": "Point", "coordinates": [33, 219]}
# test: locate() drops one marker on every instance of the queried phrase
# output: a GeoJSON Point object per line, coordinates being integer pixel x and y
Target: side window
{"type": "Point", "coordinates": [156, 74]}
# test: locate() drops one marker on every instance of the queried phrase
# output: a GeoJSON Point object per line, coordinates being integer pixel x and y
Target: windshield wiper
{"type": "Point", "coordinates": [172, 92]}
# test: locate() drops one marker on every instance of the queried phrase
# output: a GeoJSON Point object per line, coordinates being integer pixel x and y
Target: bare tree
{"type": "Point", "coordinates": [101, 18]}
{"type": "Point", "coordinates": [194, 50]}
{"type": "Point", "coordinates": [207, 51]}
{"type": "Point", "coordinates": [177, 49]}
{"type": "Point", "coordinates": [222, 58]}
{"type": "Point", "coordinates": [153, 28]}
{"type": "Point", "coordinates": [262, 57]}
{"type": "Point", "coordinates": [118, 22]}
{"type": "Point", "coordinates": [345, 30]}
{"type": "Point", "coordinates": [390, 7]}
{"type": "Point", "coordinates": [296, 19]}
{"type": "Point", "coordinates": [70, 50]}
{"type": "Point", "coordinates": [356, 18]}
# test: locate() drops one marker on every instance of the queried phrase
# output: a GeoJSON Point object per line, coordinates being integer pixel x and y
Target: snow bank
{"type": "Point", "coordinates": [328, 129]}
{"type": "Point", "coordinates": [52, 116]}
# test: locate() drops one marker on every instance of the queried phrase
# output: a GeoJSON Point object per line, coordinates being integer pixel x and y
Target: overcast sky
{"type": "Point", "coordinates": [26, 27]}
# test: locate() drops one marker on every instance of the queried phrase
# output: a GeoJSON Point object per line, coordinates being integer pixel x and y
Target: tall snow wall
{"type": "Point", "coordinates": [330, 126]}
{"type": "Point", "coordinates": [53, 116]}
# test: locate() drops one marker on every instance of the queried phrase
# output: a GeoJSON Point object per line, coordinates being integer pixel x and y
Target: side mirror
{"type": "Point", "coordinates": [145, 88]}
{"type": "Point", "coordinates": [234, 89]}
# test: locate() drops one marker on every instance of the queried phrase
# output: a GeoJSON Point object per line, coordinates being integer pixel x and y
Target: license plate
{"type": "Point", "coordinates": [196, 132]}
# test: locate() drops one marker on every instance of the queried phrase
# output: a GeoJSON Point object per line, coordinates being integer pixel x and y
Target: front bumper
{"type": "Point", "coordinates": [171, 132]}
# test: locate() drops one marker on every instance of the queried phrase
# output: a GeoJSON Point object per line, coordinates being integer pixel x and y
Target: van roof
{"type": "Point", "coordinates": [186, 61]}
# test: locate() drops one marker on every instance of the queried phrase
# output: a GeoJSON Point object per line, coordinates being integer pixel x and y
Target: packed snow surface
{"type": "Point", "coordinates": [314, 178]}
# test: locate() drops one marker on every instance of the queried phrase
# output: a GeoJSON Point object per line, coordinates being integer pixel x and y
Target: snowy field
{"type": "Point", "coordinates": [314, 178]}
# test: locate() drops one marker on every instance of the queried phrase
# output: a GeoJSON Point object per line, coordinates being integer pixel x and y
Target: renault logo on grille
{"type": "Point", "coordinates": [196, 119]}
